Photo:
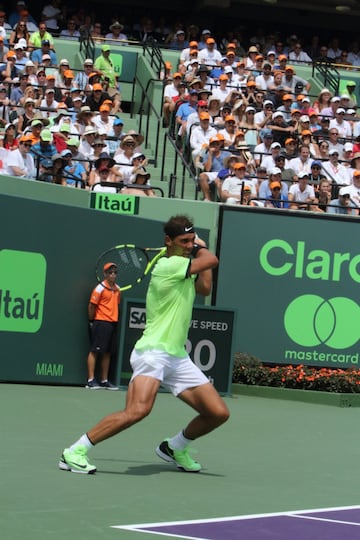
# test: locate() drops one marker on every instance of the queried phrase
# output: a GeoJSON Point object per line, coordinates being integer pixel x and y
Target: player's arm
{"type": "Point", "coordinates": [91, 311]}
{"type": "Point", "coordinates": [202, 264]}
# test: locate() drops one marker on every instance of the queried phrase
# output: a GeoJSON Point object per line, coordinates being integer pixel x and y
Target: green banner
{"type": "Point", "coordinates": [295, 281]}
{"type": "Point", "coordinates": [209, 342]}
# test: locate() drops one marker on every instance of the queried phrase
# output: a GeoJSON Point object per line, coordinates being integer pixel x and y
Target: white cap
{"type": "Point", "coordinates": [277, 114]}
{"type": "Point", "coordinates": [351, 111]}
{"type": "Point", "coordinates": [302, 174]}
{"type": "Point", "coordinates": [333, 151]}
{"type": "Point", "coordinates": [268, 102]}
{"type": "Point", "coordinates": [348, 147]}
{"type": "Point", "coordinates": [271, 52]}
{"type": "Point", "coordinates": [275, 145]}
{"type": "Point", "coordinates": [334, 99]}
{"type": "Point", "coordinates": [344, 96]}
{"type": "Point", "coordinates": [344, 191]}
{"type": "Point", "coordinates": [228, 69]}
{"type": "Point", "coordinates": [305, 100]}
{"type": "Point", "coordinates": [275, 170]}
{"type": "Point", "coordinates": [18, 46]}
{"type": "Point", "coordinates": [340, 110]}
{"type": "Point", "coordinates": [250, 109]}
{"type": "Point", "coordinates": [304, 118]}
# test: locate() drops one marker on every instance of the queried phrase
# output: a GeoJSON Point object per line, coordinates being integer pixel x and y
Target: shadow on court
{"type": "Point", "coordinates": [272, 456]}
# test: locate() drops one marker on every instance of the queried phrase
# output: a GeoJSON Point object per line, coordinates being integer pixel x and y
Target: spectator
{"type": "Point", "coordinates": [20, 162]}
{"type": "Point", "coordinates": [322, 101]}
{"type": "Point", "coordinates": [297, 55]}
{"type": "Point", "coordinates": [96, 32]}
{"type": "Point", "coordinates": [84, 118]}
{"type": "Point", "coordinates": [53, 15]}
{"type": "Point", "coordinates": [354, 188]}
{"type": "Point", "coordinates": [103, 120]}
{"type": "Point", "coordinates": [104, 159]}
{"type": "Point", "coordinates": [25, 119]}
{"type": "Point", "coordinates": [333, 141]}
{"type": "Point", "coordinates": [97, 97]}
{"type": "Point", "coordinates": [302, 163]}
{"type": "Point", "coordinates": [10, 141]}
{"type": "Point", "coordinates": [233, 186]}
{"type": "Point", "coordinates": [276, 199]}
{"type": "Point", "coordinates": [20, 32]}
{"type": "Point", "coordinates": [171, 92]}
{"type": "Point", "coordinates": [74, 171]}
{"type": "Point", "coordinates": [82, 77]}
{"type": "Point", "coordinates": [38, 37]}
{"type": "Point", "coordinates": [141, 179]}
{"type": "Point", "coordinates": [179, 43]}
{"type": "Point", "coordinates": [323, 195]}
{"type": "Point", "coordinates": [200, 136]}
{"type": "Point", "coordinates": [343, 204]}
{"type": "Point", "coordinates": [275, 175]}
{"type": "Point", "coordinates": [44, 147]}
{"type": "Point", "coordinates": [70, 32]}
{"type": "Point", "coordinates": [38, 56]}
{"type": "Point", "coordinates": [290, 80]}
{"type": "Point", "coordinates": [87, 141]}
{"type": "Point", "coordinates": [301, 194]}
{"type": "Point", "coordinates": [316, 175]}
{"type": "Point", "coordinates": [340, 125]}
{"type": "Point", "coordinates": [209, 55]}
{"type": "Point", "coordinates": [334, 171]}
{"type": "Point", "coordinates": [116, 33]}
{"type": "Point", "coordinates": [105, 66]}
{"type": "Point", "coordinates": [213, 162]}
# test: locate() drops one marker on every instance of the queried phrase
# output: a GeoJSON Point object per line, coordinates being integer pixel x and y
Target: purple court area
{"type": "Point", "coordinates": [330, 524]}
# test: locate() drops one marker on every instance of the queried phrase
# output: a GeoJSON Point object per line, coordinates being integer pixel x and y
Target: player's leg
{"type": "Point", "coordinates": [140, 399]}
{"type": "Point", "coordinates": [212, 410]}
{"type": "Point", "coordinates": [189, 384]}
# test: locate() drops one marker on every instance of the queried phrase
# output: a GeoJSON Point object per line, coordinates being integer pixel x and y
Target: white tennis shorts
{"type": "Point", "coordinates": [177, 374]}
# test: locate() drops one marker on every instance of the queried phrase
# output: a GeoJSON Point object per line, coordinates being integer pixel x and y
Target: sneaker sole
{"type": "Point", "coordinates": [65, 467]}
{"type": "Point", "coordinates": [94, 387]}
{"type": "Point", "coordinates": [169, 459]}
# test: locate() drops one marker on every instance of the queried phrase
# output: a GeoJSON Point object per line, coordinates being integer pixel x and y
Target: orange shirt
{"type": "Point", "coordinates": [107, 303]}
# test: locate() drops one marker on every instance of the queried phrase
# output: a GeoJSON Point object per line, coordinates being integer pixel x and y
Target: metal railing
{"type": "Point", "coordinates": [328, 74]}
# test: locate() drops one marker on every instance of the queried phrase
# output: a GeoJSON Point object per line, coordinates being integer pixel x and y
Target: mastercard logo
{"type": "Point", "coordinates": [311, 320]}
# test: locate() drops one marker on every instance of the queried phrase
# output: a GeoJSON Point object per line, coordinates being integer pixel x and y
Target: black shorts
{"type": "Point", "coordinates": [103, 334]}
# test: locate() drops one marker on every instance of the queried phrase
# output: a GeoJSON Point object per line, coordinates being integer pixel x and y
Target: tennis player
{"type": "Point", "coordinates": [159, 356]}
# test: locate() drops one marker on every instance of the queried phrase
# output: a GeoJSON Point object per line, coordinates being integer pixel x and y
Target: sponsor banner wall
{"type": "Point", "coordinates": [47, 272]}
{"type": "Point", "coordinates": [295, 280]}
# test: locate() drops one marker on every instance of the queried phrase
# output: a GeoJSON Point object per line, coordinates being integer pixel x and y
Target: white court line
{"type": "Point", "coordinates": [312, 518]}
{"type": "Point", "coordinates": [136, 527]}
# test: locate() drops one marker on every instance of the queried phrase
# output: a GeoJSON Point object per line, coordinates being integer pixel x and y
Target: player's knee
{"type": "Point", "coordinates": [221, 415]}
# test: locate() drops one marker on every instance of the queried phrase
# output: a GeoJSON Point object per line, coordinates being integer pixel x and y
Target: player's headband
{"type": "Point", "coordinates": [178, 230]}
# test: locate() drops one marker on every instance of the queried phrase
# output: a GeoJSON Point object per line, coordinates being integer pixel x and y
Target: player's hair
{"type": "Point", "coordinates": [178, 225]}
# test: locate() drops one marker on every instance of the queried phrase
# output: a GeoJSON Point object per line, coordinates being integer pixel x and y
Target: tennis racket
{"type": "Point", "coordinates": [133, 263]}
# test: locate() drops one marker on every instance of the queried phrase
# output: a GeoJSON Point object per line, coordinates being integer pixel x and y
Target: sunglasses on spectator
{"type": "Point", "coordinates": [27, 144]}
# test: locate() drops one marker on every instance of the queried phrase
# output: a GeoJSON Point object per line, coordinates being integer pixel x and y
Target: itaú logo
{"type": "Point", "coordinates": [311, 320]}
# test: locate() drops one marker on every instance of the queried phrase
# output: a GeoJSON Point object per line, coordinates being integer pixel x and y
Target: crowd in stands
{"type": "Point", "coordinates": [247, 123]}
{"type": "Point", "coordinates": [61, 125]}
{"type": "Point", "coordinates": [253, 133]}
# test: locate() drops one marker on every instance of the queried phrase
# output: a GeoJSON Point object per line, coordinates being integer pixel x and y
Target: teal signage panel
{"type": "Point", "coordinates": [295, 279]}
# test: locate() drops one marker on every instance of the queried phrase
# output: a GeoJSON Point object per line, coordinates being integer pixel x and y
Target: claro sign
{"type": "Point", "coordinates": [311, 320]}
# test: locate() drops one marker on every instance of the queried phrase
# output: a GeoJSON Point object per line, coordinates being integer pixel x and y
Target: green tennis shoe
{"type": "Point", "coordinates": [181, 458]}
{"type": "Point", "coordinates": [76, 461]}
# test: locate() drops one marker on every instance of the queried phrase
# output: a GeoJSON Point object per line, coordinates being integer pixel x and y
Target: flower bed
{"type": "Point", "coordinates": [250, 371]}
